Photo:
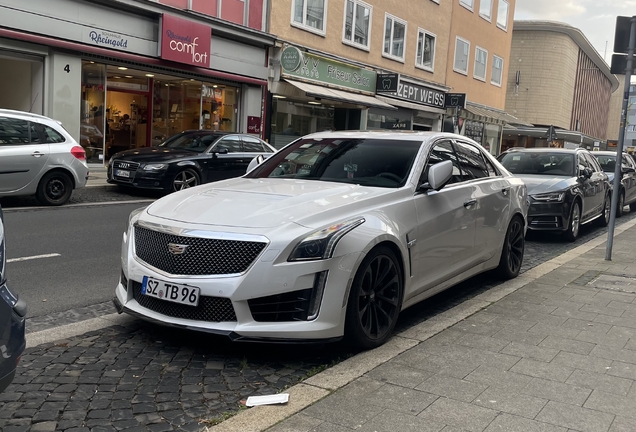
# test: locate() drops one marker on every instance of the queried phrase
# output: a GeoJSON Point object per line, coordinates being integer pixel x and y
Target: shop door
{"type": "Point", "coordinates": [126, 121]}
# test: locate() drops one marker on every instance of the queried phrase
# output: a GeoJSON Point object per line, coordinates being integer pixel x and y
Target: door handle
{"type": "Point", "coordinates": [37, 154]}
{"type": "Point", "coordinates": [470, 203]}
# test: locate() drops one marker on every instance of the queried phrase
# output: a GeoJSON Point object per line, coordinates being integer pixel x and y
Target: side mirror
{"type": "Point", "coordinates": [221, 151]}
{"type": "Point", "coordinates": [438, 175]}
{"type": "Point", "coordinates": [586, 173]}
{"type": "Point", "coordinates": [255, 162]}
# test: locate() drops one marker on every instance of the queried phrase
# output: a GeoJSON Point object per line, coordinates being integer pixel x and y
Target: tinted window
{"type": "Point", "coordinates": [52, 136]}
{"type": "Point", "coordinates": [367, 162]}
{"type": "Point", "coordinates": [35, 134]}
{"type": "Point", "coordinates": [232, 143]}
{"type": "Point", "coordinates": [14, 131]}
{"type": "Point", "coordinates": [535, 163]}
{"type": "Point", "coordinates": [591, 160]}
{"type": "Point", "coordinates": [583, 163]}
{"type": "Point", "coordinates": [442, 151]}
{"type": "Point", "coordinates": [252, 145]}
{"type": "Point", "coordinates": [195, 142]}
{"type": "Point", "coordinates": [472, 161]}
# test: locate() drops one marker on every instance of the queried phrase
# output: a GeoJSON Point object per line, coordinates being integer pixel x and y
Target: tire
{"type": "Point", "coordinates": [512, 251]}
{"type": "Point", "coordinates": [55, 188]}
{"type": "Point", "coordinates": [603, 220]}
{"type": "Point", "coordinates": [574, 226]}
{"type": "Point", "coordinates": [185, 179]}
{"type": "Point", "coordinates": [374, 302]}
{"type": "Point", "coordinates": [621, 204]}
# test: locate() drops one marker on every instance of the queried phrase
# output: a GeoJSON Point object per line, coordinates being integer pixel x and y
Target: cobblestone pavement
{"type": "Point", "coordinates": [151, 378]}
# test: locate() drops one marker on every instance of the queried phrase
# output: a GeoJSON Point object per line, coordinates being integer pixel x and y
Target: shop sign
{"type": "Point", "coordinates": [396, 125]}
{"type": "Point", "coordinates": [108, 39]}
{"type": "Point", "coordinates": [185, 41]}
{"type": "Point", "coordinates": [455, 100]}
{"type": "Point", "coordinates": [253, 125]}
{"type": "Point", "coordinates": [417, 93]}
{"type": "Point", "coordinates": [387, 83]}
{"type": "Point", "coordinates": [322, 70]}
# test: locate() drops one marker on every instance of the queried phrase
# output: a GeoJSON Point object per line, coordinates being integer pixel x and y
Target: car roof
{"type": "Point", "coordinates": [543, 150]}
{"type": "Point", "coordinates": [24, 114]}
{"type": "Point", "coordinates": [386, 134]}
{"type": "Point", "coordinates": [606, 153]}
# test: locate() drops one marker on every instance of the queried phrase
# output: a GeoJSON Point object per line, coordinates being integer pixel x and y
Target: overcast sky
{"type": "Point", "coordinates": [595, 18]}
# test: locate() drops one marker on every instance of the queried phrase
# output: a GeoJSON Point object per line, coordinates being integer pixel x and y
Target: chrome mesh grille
{"type": "Point", "coordinates": [201, 257]}
{"type": "Point", "coordinates": [210, 309]}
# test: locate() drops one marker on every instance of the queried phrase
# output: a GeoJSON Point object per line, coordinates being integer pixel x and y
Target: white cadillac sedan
{"type": "Point", "coordinates": [332, 236]}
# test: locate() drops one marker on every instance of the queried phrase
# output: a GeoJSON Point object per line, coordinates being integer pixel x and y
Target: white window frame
{"type": "Point", "coordinates": [420, 66]}
{"type": "Point", "coordinates": [470, 7]}
{"type": "Point", "coordinates": [457, 38]}
{"type": "Point", "coordinates": [504, 28]}
{"type": "Point", "coordinates": [401, 21]}
{"type": "Point", "coordinates": [352, 43]}
{"type": "Point", "coordinates": [304, 26]}
{"type": "Point", "coordinates": [478, 48]}
{"type": "Point", "coordinates": [489, 16]}
{"type": "Point", "coordinates": [502, 69]}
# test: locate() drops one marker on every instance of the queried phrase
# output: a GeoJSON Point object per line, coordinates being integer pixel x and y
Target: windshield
{"type": "Point", "coordinates": [548, 163]}
{"type": "Point", "coordinates": [195, 142]}
{"type": "Point", "coordinates": [368, 162]}
{"type": "Point", "coordinates": [608, 163]}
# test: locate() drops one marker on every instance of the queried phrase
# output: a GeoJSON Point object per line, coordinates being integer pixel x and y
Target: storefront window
{"type": "Point", "coordinates": [492, 138]}
{"type": "Point", "coordinates": [93, 112]}
{"type": "Point", "coordinates": [400, 119]}
{"type": "Point", "coordinates": [219, 107]}
{"type": "Point", "coordinates": [291, 120]}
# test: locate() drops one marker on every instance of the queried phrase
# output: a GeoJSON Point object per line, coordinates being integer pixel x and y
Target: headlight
{"type": "Point", "coordinates": [154, 167]}
{"type": "Point", "coordinates": [549, 197]}
{"type": "Point", "coordinates": [134, 216]}
{"type": "Point", "coordinates": [321, 244]}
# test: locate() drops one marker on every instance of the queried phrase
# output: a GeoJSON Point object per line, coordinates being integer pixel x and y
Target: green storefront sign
{"type": "Point", "coordinates": [306, 66]}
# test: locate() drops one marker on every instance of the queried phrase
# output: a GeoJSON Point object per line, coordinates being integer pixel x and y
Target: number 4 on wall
{"type": "Point", "coordinates": [67, 68]}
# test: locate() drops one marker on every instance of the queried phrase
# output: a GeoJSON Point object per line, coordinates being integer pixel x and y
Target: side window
{"type": "Point", "coordinates": [35, 132]}
{"type": "Point", "coordinates": [627, 162]}
{"type": "Point", "coordinates": [52, 136]}
{"type": "Point", "coordinates": [232, 143]}
{"type": "Point", "coordinates": [252, 145]}
{"type": "Point", "coordinates": [593, 162]}
{"type": "Point", "coordinates": [442, 151]}
{"type": "Point", "coordinates": [472, 161]}
{"type": "Point", "coordinates": [583, 163]}
{"type": "Point", "coordinates": [492, 171]}
{"type": "Point", "coordinates": [14, 131]}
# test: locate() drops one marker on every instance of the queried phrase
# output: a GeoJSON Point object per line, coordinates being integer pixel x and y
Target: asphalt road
{"type": "Point", "coordinates": [88, 241]}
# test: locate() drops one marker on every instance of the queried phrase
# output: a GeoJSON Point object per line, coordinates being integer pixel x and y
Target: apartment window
{"type": "Point", "coordinates": [502, 15]}
{"type": "Point", "coordinates": [357, 23]}
{"type": "Point", "coordinates": [425, 56]}
{"type": "Point", "coordinates": [310, 15]}
{"type": "Point", "coordinates": [481, 60]}
{"type": "Point", "coordinates": [497, 71]}
{"type": "Point", "coordinates": [462, 47]}
{"type": "Point", "coordinates": [467, 3]}
{"type": "Point", "coordinates": [394, 37]}
{"type": "Point", "coordinates": [485, 9]}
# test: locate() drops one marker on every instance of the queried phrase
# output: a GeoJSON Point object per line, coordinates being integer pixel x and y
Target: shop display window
{"type": "Point", "coordinates": [93, 110]}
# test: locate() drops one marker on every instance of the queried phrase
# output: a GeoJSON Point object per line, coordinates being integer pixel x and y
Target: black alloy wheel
{"type": "Point", "coordinates": [513, 250]}
{"type": "Point", "coordinates": [575, 222]}
{"type": "Point", "coordinates": [603, 220]}
{"type": "Point", "coordinates": [54, 189]}
{"type": "Point", "coordinates": [185, 180]}
{"type": "Point", "coordinates": [375, 299]}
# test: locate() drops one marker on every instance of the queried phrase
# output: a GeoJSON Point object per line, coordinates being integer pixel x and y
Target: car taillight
{"type": "Point", "coordinates": [78, 152]}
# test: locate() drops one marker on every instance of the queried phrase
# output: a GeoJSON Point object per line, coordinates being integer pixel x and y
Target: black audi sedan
{"type": "Point", "coordinates": [566, 188]}
{"type": "Point", "coordinates": [12, 321]}
{"type": "Point", "coordinates": [627, 192]}
{"type": "Point", "coordinates": [185, 160]}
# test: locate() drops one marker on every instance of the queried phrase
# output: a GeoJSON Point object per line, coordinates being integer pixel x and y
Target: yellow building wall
{"type": "Point", "coordinates": [478, 31]}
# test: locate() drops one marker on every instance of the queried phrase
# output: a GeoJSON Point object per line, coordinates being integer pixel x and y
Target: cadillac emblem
{"type": "Point", "coordinates": [177, 249]}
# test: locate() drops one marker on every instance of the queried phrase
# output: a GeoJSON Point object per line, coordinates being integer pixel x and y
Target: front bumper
{"type": "Point", "coordinates": [153, 180]}
{"type": "Point", "coordinates": [549, 216]}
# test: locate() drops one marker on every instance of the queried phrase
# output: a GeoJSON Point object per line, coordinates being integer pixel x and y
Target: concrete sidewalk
{"type": "Point", "coordinates": [553, 350]}
{"type": "Point", "coordinates": [96, 175]}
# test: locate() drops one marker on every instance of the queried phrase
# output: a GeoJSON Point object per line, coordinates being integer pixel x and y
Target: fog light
{"type": "Point", "coordinates": [320, 281]}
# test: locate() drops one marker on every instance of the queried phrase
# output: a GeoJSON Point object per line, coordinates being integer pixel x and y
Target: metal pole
{"type": "Point", "coordinates": [618, 173]}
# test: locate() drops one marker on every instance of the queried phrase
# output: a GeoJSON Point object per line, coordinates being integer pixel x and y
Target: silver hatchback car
{"type": "Point", "coordinates": [39, 157]}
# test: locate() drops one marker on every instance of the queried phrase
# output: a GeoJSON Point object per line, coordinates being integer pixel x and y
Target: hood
{"type": "Point", "coordinates": [267, 203]}
{"type": "Point", "coordinates": [544, 184]}
{"type": "Point", "coordinates": [154, 154]}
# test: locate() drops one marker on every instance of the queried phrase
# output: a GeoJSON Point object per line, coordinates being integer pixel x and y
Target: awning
{"type": "Point", "coordinates": [410, 105]}
{"type": "Point", "coordinates": [493, 114]}
{"type": "Point", "coordinates": [339, 95]}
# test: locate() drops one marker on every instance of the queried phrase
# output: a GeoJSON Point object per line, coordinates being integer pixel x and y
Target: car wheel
{"type": "Point", "coordinates": [55, 188]}
{"type": "Point", "coordinates": [185, 179]}
{"type": "Point", "coordinates": [603, 220]}
{"type": "Point", "coordinates": [621, 204]}
{"type": "Point", "coordinates": [512, 252]}
{"type": "Point", "coordinates": [575, 222]}
{"type": "Point", "coordinates": [375, 299]}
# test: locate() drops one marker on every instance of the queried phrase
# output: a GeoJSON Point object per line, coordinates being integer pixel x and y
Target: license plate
{"type": "Point", "coordinates": [122, 173]}
{"type": "Point", "coordinates": [177, 293]}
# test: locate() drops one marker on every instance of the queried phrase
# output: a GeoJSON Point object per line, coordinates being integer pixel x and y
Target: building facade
{"type": "Point", "coordinates": [352, 64]}
{"type": "Point", "coordinates": [478, 64]}
{"type": "Point", "coordinates": [122, 74]}
{"type": "Point", "coordinates": [559, 79]}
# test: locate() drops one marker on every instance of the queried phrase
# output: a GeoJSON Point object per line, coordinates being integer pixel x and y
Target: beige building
{"type": "Point", "coordinates": [333, 55]}
{"type": "Point", "coordinates": [614, 114]}
{"type": "Point", "coordinates": [557, 78]}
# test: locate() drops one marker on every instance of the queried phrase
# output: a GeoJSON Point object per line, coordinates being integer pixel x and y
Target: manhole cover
{"type": "Point", "coordinates": [615, 283]}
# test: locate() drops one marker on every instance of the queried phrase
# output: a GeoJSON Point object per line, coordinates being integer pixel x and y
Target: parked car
{"type": "Point", "coordinates": [39, 157]}
{"type": "Point", "coordinates": [12, 321]}
{"type": "Point", "coordinates": [185, 160]}
{"type": "Point", "coordinates": [331, 236]}
{"type": "Point", "coordinates": [567, 188]}
{"type": "Point", "coordinates": [627, 193]}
